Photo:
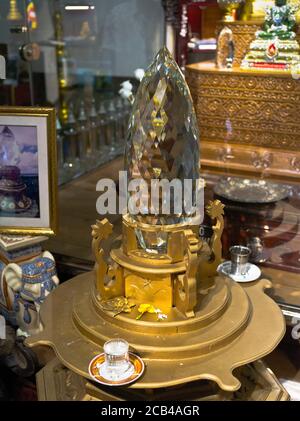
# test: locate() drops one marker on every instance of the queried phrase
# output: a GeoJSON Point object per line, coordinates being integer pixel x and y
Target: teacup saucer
{"type": "Point", "coordinates": [252, 274]}
{"type": "Point", "coordinates": [136, 370]}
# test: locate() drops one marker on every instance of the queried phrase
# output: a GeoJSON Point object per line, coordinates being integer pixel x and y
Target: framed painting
{"type": "Point", "coordinates": [28, 175]}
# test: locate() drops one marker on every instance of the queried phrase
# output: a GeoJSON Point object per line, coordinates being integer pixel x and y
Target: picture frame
{"type": "Point", "coordinates": [28, 171]}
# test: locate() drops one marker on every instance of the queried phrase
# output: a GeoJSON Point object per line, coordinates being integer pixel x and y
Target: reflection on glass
{"type": "Point", "coordinates": [85, 54]}
{"type": "Point", "coordinates": [94, 146]}
{"type": "Point", "coordinates": [111, 126]}
{"type": "Point", "coordinates": [83, 137]}
{"type": "Point", "coordinates": [120, 129]}
{"type": "Point", "coordinates": [71, 150]}
{"type": "Point", "coordinates": [60, 152]}
{"type": "Point", "coordinates": [102, 140]}
{"type": "Point", "coordinates": [225, 48]}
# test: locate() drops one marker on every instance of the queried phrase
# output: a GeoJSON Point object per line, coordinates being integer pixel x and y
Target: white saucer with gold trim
{"type": "Point", "coordinates": [98, 372]}
{"type": "Point", "coordinates": [252, 272]}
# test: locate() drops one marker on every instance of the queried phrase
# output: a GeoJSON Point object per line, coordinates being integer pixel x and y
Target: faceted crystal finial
{"type": "Point", "coordinates": [162, 140]}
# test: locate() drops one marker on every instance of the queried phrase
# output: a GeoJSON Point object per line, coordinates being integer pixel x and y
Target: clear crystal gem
{"type": "Point", "coordinates": [162, 140]}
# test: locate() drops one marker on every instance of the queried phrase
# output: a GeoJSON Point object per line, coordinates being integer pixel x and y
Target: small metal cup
{"type": "Point", "coordinates": [256, 246]}
{"type": "Point", "coordinates": [239, 259]}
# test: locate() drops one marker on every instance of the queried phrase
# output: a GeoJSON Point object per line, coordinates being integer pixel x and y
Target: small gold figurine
{"type": "Point", "coordinates": [14, 13]}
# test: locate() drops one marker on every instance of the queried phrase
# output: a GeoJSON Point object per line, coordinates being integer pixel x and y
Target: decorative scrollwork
{"type": "Point", "coordinates": [186, 284]}
{"type": "Point", "coordinates": [109, 278]}
{"type": "Point", "coordinates": [215, 210]}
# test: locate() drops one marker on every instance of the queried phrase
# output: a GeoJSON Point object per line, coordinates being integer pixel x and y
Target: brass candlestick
{"type": "Point", "coordinates": [14, 13]}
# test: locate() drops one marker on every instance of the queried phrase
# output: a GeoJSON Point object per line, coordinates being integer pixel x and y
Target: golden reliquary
{"type": "Point", "coordinates": [160, 290]}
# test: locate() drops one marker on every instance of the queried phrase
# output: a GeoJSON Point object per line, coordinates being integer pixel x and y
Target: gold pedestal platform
{"type": "Point", "coordinates": [248, 120]}
{"type": "Point", "coordinates": [233, 326]}
{"type": "Point", "coordinates": [55, 382]}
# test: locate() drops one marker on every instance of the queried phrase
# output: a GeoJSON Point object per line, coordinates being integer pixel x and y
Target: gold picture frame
{"type": "Point", "coordinates": [28, 152]}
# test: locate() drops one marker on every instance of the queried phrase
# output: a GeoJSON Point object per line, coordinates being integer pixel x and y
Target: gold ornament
{"type": "Point", "coordinates": [149, 308]}
{"type": "Point", "coordinates": [14, 13]}
{"type": "Point", "coordinates": [117, 305]}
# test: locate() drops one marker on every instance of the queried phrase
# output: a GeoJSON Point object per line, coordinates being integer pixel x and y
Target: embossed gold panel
{"type": "Point", "coordinates": [251, 113]}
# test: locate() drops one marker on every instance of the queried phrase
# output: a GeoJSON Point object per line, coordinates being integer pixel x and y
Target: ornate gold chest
{"type": "Point", "coordinates": [249, 121]}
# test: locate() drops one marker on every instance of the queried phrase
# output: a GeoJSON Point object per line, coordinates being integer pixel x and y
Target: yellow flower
{"type": "Point", "coordinates": [145, 308]}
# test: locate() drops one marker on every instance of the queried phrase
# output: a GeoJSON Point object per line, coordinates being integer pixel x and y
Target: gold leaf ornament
{"type": "Point", "coordinates": [118, 305]}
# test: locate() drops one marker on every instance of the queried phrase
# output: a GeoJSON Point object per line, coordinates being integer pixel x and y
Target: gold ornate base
{"type": "Point", "coordinates": [55, 382]}
{"type": "Point", "coordinates": [210, 325]}
{"type": "Point", "coordinates": [233, 326]}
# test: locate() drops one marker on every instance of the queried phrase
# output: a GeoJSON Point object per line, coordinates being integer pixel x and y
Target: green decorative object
{"type": "Point", "coordinates": [279, 23]}
{"type": "Point", "coordinates": [275, 46]}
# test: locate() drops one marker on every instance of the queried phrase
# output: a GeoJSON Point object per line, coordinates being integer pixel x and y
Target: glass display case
{"type": "Point", "coordinates": [74, 56]}
{"type": "Point", "coordinates": [249, 141]}
{"type": "Point", "coordinates": [241, 63]}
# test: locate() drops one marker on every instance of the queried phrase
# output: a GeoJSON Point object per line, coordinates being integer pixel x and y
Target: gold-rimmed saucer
{"type": "Point", "coordinates": [97, 361]}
